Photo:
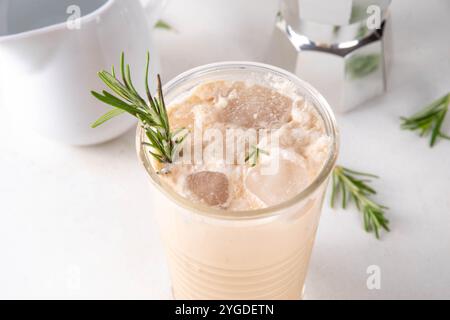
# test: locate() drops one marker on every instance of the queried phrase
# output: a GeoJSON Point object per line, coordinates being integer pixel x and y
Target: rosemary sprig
{"type": "Point", "coordinates": [353, 186]}
{"type": "Point", "coordinates": [253, 157]}
{"type": "Point", "coordinates": [152, 113]}
{"type": "Point", "coordinates": [429, 120]}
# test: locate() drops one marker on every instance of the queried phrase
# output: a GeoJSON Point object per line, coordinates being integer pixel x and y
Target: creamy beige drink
{"type": "Point", "coordinates": [243, 199]}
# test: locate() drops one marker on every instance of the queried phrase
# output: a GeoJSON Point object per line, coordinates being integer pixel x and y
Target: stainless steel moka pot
{"type": "Point", "coordinates": [339, 46]}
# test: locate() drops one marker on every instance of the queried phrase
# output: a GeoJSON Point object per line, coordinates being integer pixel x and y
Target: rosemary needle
{"type": "Point", "coordinates": [253, 157]}
{"type": "Point", "coordinates": [161, 24]}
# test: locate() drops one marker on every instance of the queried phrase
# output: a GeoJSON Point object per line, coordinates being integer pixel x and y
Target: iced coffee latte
{"type": "Point", "coordinates": [238, 208]}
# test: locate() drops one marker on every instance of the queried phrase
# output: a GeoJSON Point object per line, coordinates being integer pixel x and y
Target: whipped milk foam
{"type": "Point", "coordinates": [283, 129]}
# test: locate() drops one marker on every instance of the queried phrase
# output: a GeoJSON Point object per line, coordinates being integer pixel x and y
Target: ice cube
{"type": "Point", "coordinates": [211, 188]}
{"type": "Point", "coordinates": [289, 178]}
{"type": "Point", "coordinates": [256, 107]}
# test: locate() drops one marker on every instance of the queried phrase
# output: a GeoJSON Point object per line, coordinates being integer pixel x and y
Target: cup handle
{"type": "Point", "coordinates": [154, 9]}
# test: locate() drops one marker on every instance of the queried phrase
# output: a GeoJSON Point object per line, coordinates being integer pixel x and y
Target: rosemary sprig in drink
{"type": "Point", "coordinates": [430, 119]}
{"type": "Point", "coordinates": [353, 186]}
{"type": "Point", "coordinates": [163, 143]}
{"type": "Point", "coordinates": [253, 157]}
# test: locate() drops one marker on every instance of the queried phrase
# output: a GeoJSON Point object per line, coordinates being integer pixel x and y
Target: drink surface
{"type": "Point", "coordinates": [248, 146]}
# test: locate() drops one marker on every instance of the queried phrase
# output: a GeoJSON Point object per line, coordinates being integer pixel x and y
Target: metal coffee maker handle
{"type": "Point", "coordinates": [339, 46]}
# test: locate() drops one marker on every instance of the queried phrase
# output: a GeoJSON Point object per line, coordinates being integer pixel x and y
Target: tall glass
{"type": "Point", "coordinates": [255, 254]}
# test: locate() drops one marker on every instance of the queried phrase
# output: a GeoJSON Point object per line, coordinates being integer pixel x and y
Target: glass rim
{"type": "Point", "coordinates": [321, 106]}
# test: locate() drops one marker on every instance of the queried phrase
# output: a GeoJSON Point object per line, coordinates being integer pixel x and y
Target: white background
{"type": "Point", "coordinates": [77, 222]}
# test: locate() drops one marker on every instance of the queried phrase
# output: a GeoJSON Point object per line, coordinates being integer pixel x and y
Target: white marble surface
{"type": "Point", "coordinates": [77, 222]}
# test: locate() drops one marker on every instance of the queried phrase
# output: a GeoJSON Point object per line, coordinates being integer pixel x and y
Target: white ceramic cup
{"type": "Point", "coordinates": [51, 51]}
